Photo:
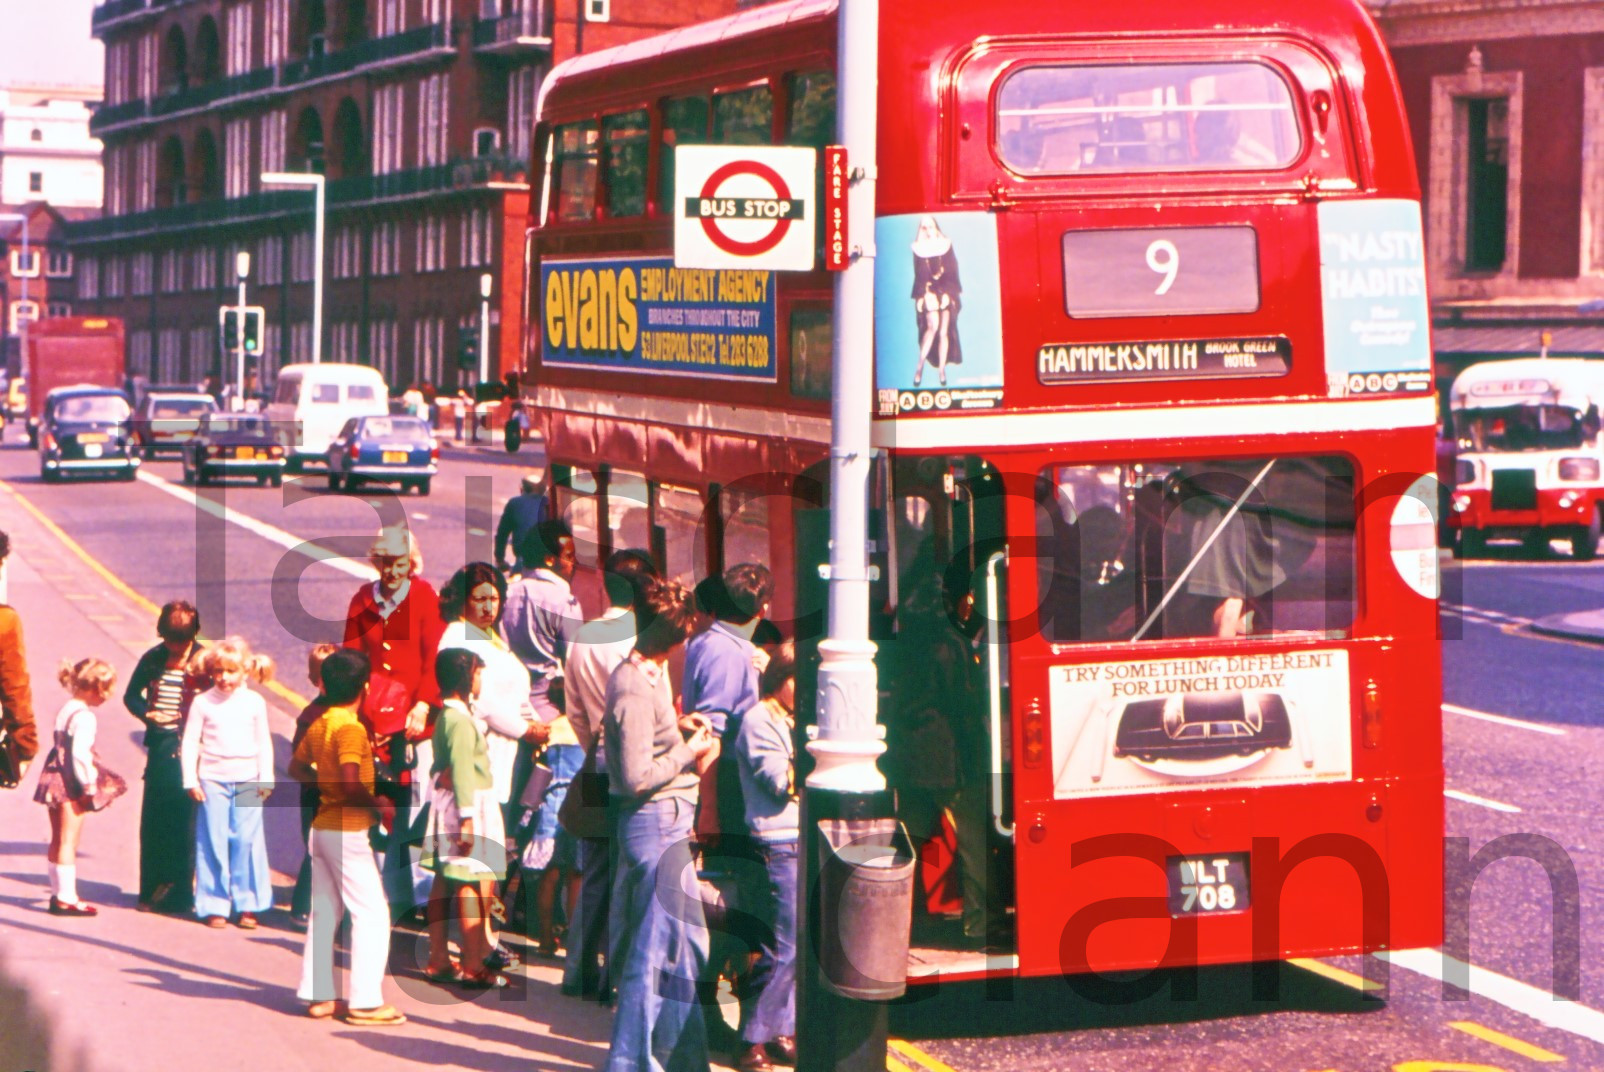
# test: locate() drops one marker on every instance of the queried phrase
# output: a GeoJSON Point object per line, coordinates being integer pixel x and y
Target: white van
{"type": "Point", "coordinates": [312, 402]}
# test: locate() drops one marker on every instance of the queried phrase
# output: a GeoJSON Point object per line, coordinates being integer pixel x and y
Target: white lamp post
{"type": "Point", "coordinates": [486, 282]}
{"type": "Point", "coordinates": [296, 178]}
{"type": "Point", "coordinates": [242, 269]}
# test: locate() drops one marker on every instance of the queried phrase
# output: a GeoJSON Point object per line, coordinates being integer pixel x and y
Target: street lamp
{"type": "Point", "coordinates": [22, 327]}
{"type": "Point", "coordinates": [242, 269]}
{"type": "Point", "coordinates": [296, 178]}
{"type": "Point", "coordinates": [486, 281]}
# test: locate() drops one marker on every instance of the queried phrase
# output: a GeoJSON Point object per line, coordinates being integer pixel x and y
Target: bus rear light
{"type": "Point", "coordinates": [1038, 830]}
{"type": "Point", "coordinates": [1461, 503]}
{"type": "Point", "coordinates": [1372, 715]}
{"type": "Point", "coordinates": [1034, 728]}
{"type": "Point", "coordinates": [1578, 469]}
{"type": "Point", "coordinates": [1373, 810]}
{"type": "Point", "coordinates": [1569, 499]}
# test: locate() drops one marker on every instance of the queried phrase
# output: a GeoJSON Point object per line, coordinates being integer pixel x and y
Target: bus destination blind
{"type": "Point", "coordinates": [1161, 271]}
{"type": "Point", "coordinates": [1171, 359]}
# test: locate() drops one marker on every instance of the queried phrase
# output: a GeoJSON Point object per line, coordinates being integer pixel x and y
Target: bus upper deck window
{"type": "Point", "coordinates": [811, 111]}
{"type": "Point", "coordinates": [685, 122]}
{"type": "Point", "coordinates": [744, 117]}
{"type": "Point", "coordinates": [1063, 119]}
{"type": "Point", "coordinates": [626, 137]}
{"type": "Point", "coordinates": [577, 151]}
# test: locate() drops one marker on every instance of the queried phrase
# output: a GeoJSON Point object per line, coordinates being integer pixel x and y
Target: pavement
{"type": "Point", "coordinates": [131, 992]}
{"type": "Point", "coordinates": [1585, 625]}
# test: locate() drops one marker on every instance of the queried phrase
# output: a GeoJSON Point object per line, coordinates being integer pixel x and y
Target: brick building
{"type": "Point", "coordinates": [1506, 105]}
{"type": "Point", "coordinates": [419, 114]}
{"type": "Point", "coordinates": [39, 281]}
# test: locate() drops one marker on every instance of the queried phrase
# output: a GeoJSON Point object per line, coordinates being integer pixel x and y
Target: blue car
{"type": "Point", "coordinates": [383, 450]}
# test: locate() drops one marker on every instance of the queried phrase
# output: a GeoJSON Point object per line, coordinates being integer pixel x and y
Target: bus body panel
{"type": "Point", "coordinates": [940, 73]}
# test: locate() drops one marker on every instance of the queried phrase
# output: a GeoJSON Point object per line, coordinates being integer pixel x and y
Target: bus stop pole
{"type": "Point", "coordinates": [833, 1032]}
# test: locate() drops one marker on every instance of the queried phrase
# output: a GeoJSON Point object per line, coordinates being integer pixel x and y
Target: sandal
{"type": "Point", "coordinates": [383, 1016]}
{"type": "Point", "coordinates": [322, 1010]}
{"type": "Point", "coordinates": [451, 973]}
{"type": "Point", "coordinates": [503, 959]}
{"type": "Point", "coordinates": [483, 979]}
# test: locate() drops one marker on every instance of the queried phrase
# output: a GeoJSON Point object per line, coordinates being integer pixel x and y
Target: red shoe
{"type": "Point", "coordinates": [247, 921]}
{"type": "Point", "coordinates": [76, 908]}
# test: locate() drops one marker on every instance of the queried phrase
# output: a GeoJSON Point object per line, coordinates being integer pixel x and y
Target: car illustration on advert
{"type": "Point", "coordinates": [1189, 723]}
{"type": "Point", "coordinates": [1203, 726]}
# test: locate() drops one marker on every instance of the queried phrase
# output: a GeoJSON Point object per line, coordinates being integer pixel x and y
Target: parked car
{"type": "Point", "coordinates": [395, 450]}
{"type": "Point", "coordinates": [311, 402]}
{"type": "Point", "coordinates": [234, 444]}
{"type": "Point", "coordinates": [168, 420]}
{"type": "Point", "coordinates": [84, 429]}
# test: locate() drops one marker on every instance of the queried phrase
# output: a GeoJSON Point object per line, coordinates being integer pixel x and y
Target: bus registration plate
{"type": "Point", "coordinates": [1208, 885]}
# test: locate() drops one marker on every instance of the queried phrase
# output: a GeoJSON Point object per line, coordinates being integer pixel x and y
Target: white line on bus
{"type": "Point", "coordinates": [1523, 998]}
{"type": "Point", "coordinates": [354, 567]}
{"type": "Point", "coordinates": [1481, 802]}
{"type": "Point", "coordinates": [1503, 720]}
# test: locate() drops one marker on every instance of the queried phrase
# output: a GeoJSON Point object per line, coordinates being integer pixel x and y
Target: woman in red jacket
{"type": "Point", "coordinates": [396, 622]}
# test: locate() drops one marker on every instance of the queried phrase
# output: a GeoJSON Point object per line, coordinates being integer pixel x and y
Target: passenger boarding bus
{"type": "Point", "coordinates": [1152, 494]}
{"type": "Point", "coordinates": [1529, 454]}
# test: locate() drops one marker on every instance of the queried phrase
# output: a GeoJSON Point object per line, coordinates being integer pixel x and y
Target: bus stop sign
{"type": "Point", "coordinates": [744, 206]}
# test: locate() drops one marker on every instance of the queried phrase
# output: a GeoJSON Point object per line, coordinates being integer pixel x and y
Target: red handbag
{"type": "Point", "coordinates": [385, 705]}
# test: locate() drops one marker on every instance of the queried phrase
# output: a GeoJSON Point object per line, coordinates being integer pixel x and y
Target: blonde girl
{"type": "Point", "coordinates": [74, 781]}
{"type": "Point", "coordinates": [227, 755]}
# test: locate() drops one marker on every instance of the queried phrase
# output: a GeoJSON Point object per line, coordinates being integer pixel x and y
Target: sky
{"type": "Point", "coordinates": [47, 41]}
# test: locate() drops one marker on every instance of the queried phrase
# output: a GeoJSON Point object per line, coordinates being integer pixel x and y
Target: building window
{"type": "Point", "coordinates": [237, 157]}
{"type": "Point", "coordinates": [301, 258]}
{"type": "Point", "coordinates": [385, 254]}
{"type": "Point", "coordinates": [203, 269]}
{"type": "Point", "coordinates": [59, 308]}
{"type": "Point", "coordinates": [58, 263]}
{"type": "Point", "coordinates": [387, 126]}
{"type": "Point", "coordinates": [392, 17]}
{"type": "Point", "coordinates": [36, 182]}
{"type": "Point", "coordinates": [434, 112]}
{"type": "Point", "coordinates": [522, 86]}
{"type": "Point", "coordinates": [273, 127]}
{"type": "Point", "coordinates": [1486, 183]}
{"type": "Point", "coordinates": [275, 32]}
{"type": "Point", "coordinates": [239, 38]}
{"type": "Point", "coordinates": [25, 264]}
{"type": "Point", "coordinates": [88, 277]}
{"type": "Point", "coordinates": [115, 276]}
{"type": "Point", "coordinates": [142, 273]}
{"type": "Point", "coordinates": [431, 243]}
{"type": "Point", "coordinates": [598, 10]}
{"type": "Point", "coordinates": [147, 66]}
{"type": "Point", "coordinates": [1474, 187]}
{"type": "Point", "coordinates": [36, 135]}
{"type": "Point", "coordinates": [171, 271]}
{"type": "Point", "coordinates": [145, 178]}
{"type": "Point", "coordinates": [22, 312]}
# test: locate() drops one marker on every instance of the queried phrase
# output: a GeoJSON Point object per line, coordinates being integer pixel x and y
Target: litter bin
{"type": "Point", "coordinates": [866, 871]}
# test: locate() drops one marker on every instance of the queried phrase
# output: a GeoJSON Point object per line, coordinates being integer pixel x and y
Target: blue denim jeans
{"type": "Point", "coordinates": [231, 872]}
{"type": "Point", "coordinates": [769, 1010]}
{"type": "Point", "coordinates": [658, 946]}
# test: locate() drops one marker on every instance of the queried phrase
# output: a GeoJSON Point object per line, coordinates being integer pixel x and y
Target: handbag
{"type": "Point", "coordinates": [10, 759]}
{"type": "Point", "coordinates": [584, 809]}
{"type": "Point", "coordinates": [536, 787]}
{"type": "Point", "coordinates": [385, 705]}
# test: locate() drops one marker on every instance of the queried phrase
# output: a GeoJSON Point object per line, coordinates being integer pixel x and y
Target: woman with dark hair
{"type": "Point", "coordinates": [159, 694]}
{"type": "Point", "coordinates": [765, 757]}
{"type": "Point", "coordinates": [658, 942]}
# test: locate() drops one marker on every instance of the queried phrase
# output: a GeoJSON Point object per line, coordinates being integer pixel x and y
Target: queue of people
{"type": "Point", "coordinates": [467, 749]}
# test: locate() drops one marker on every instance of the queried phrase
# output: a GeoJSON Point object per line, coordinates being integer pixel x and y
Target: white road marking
{"type": "Point", "coordinates": [1503, 720]}
{"type": "Point", "coordinates": [1481, 802]}
{"type": "Point", "coordinates": [354, 567]}
{"type": "Point", "coordinates": [1486, 617]}
{"type": "Point", "coordinates": [1523, 998]}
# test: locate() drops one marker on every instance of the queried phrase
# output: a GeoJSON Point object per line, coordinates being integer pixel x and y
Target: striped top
{"type": "Point", "coordinates": [167, 700]}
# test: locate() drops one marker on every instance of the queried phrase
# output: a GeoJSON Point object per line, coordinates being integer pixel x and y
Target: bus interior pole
{"type": "Point", "coordinates": [834, 1032]}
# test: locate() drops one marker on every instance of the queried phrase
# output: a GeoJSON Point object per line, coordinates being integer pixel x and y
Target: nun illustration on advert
{"type": "Point", "coordinates": [935, 300]}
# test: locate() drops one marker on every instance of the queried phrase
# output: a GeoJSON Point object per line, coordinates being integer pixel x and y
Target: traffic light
{"type": "Point", "coordinates": [228, 326]}
{"type": "Point", "coordinates": [253, 329]}
{"type": "Point", "coordinates": [468, 348]}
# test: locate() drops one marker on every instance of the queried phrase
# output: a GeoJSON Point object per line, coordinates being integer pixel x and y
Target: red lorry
{"type": "Point", "coordinates": [70, 350]}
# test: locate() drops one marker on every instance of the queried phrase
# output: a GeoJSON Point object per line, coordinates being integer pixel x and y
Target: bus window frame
{"type": "Point", "coordinates": [1329, 159]}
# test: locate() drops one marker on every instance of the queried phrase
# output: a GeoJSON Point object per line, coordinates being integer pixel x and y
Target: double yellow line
{"type": "Point", "coordinates": [290, 696]}
{"type": "Point", "coordinates": [916, 1059]}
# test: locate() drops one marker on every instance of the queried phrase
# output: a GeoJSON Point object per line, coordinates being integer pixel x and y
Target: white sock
{"type": "Point", "coordinates": [67, 883]}
{"type": "Point", "coordinates": [55, 880]}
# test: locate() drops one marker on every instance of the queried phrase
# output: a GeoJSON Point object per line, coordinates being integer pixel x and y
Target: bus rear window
{"type": "Point", "coordinates": [1199, 549]}
{"type": "Point", "coordinates": [575, 166]}
{"type": "Point", "coordinates": [1063, 119]}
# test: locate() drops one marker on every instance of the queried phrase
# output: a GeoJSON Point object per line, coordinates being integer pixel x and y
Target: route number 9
{"type": "Point", "coordinates": [1165, 259]}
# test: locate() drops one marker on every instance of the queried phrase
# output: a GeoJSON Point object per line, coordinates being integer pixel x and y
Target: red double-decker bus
{"type": "Point", "coordinates": [1151, 498]}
